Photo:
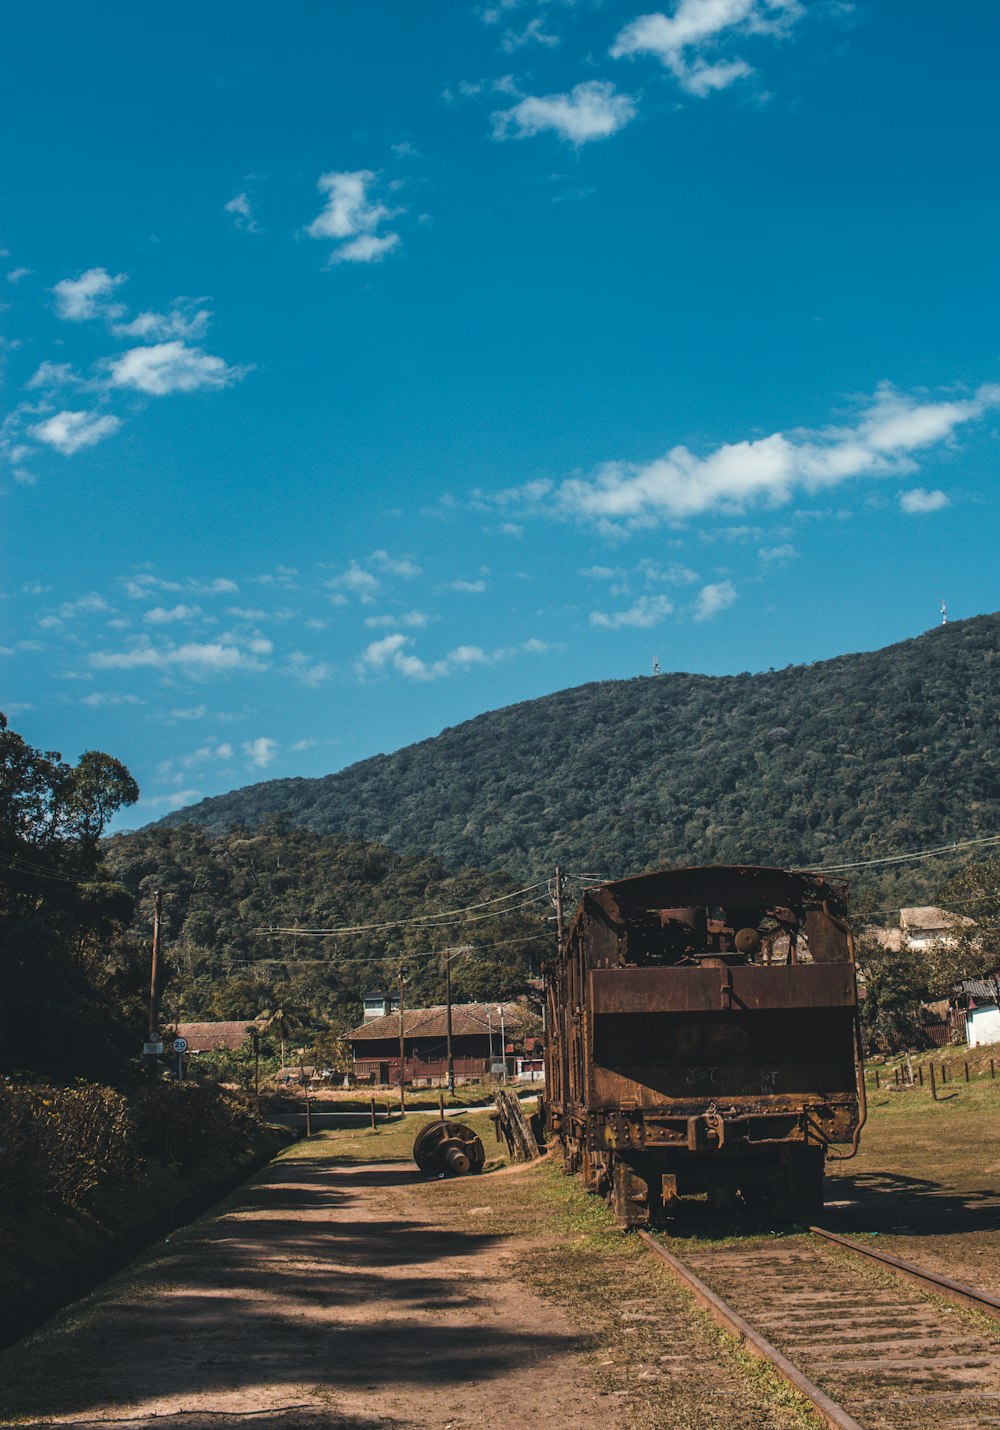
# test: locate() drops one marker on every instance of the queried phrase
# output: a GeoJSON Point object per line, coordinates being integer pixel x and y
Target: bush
{"type": "Point", "coordinates": [65, 1145]}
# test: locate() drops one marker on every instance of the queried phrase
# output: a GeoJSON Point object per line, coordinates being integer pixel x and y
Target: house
{"type": "Point", "coordinates": [918, 929]}
{"type": "Point", "coordinates": [207, 1037]}
{"type": "Point", "coordinates": [478, 1034]}
{"type": "Point", "coordinates": [980, 1000]}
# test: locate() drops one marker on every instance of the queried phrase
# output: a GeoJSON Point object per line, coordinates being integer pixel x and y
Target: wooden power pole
{"type": "Point", "coordinates": [402, 1051]}
{"type": "Point", "coordinates": [154, 981]}
{"type": "Point", "coordinates": [560, 931]}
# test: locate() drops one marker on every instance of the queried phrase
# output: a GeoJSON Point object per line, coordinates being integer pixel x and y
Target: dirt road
{"type": "Point", "coordinates": [320, 1295]}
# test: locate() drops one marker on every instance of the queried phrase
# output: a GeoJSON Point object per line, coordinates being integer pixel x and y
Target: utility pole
{"type": "Point", "coordinates": [503, 1042]}
{"type": "Point", "coordinates": [154, 983]}
{"type": "Point", "coordinates": [402, 1051]}
{"type": "Point", "coordinates": [489, 1024]}
{"type": "Point", "coordinates": [447, 996]}
{"type": "Point", "coordinates": [560, 931]}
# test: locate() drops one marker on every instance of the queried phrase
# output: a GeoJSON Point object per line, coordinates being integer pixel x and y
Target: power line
{"type": "Point", "coordinates": [903, 858]}
{"type": "Point", "coordinates": [423, 921]}
{"type": "Point", "coordinates": [465, 950]}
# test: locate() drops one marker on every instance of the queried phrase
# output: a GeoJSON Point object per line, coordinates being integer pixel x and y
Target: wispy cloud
{"type": "Point", "coordinates": [392, 653]}
{"type": "Point", "coordinates": [184, 319]}
{"type": "Point", "coordinates": [646, 612]}
{"type": "Point", "coordinates": [261, 752]}
{"type": "Point", "coordinates": [163, 615]}
{"type": "Point", "coordinates": [591, 110]}
{"type": "Point", "coordinates": [885, 439]}
{"type": "Point", "coordinates": [165, 368]}
{"type": "Point", "coordinates": [714, 598]}
{"type": "Point", "coordinates": [89, 296]}
{"type": "Point", "coordinates": [193, 657]}
{"type": "Point", "coordinates": [687, 41]}
{"type": "Point", "coordinates": [918, 500]}
{"type": "Point", "coordinates": [353, 216]}
{"type": "Point", "coordinates": [68, 432]}
{"type": "Point", "coordinates": [241, 211]}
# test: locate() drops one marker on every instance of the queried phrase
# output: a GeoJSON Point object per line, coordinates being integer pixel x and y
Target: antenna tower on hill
{"type": "Point", "coordinates": [944, 614]}
{"type": "Point", "coordinates": [656, 666]}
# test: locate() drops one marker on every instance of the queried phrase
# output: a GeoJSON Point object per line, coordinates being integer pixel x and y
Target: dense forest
{"type": "Point", "coordinates": [854, 758]}
{"type": "Point", "coordinates": [224, 895]}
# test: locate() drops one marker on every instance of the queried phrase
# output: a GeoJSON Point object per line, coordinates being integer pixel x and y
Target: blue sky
{"type": "Point", "coordinates": [367, 366]}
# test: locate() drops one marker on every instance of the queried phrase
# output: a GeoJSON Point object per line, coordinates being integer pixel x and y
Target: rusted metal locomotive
{"type": "Point", "coordinates": [702, 1037]}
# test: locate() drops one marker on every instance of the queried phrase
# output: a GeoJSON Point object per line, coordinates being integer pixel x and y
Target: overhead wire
{"type": "Point", "coordinates": [451, 916]}
{"type": "Point", "coordinates": [903, 858]}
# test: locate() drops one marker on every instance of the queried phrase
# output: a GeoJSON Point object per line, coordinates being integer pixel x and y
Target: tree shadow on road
{"type": "Point", "coordinates": [288, 1287]}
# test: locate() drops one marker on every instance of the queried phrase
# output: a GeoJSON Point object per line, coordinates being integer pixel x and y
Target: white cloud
{"type": "Point", "coordinates": [183, 320]}
{"type": "Point", "coordinates": [352, 217]}
{"type": "Point", "coordinates": [777, 555]}
{"type": "Point", "coordinates": [177, 800]}
{"type": "Point", "coordinates": [647, 611]}
{"type": "Point", "coordinates": [395, 566]}
{"type": "Point", "coordinates": [366, 248]}
{"type": "Point", "coordinates": [98, 698]}
{"type": "Point", "coordinates": [68, 432]}
{"type": "Point", "coordinates": [379, 653]}
{"type": "Point", "coordinates": [91, 604]}
{"type": "Point", "coordinates": [534, 33]}
{"type": "Point", "coordinates": [16, 274]}
{"type": "Point", "coordinates": [53, 374]}
{"type": "Point", "coordinates": [391, 653]}
{"type": "Point", "coordinates": [918, 500]}
{"type": "Point", "coordinates": [162, 615]}
{"type": "Point", "coordinates": [592, 110]}
{"type": "Point", "coordinates": [472, 587]}
{"type": "Point", "coordinates": [195, 657]}
{"type": "Point", "coordinates": [164, 368]}
{"type": "Point", "coordinates": [358, 582]}
{"type": "Point", "coordinates": [308, 672]}
{"type": "Point", "coordinates": [241, 209]}
{"type": "Point", "coordinates": [78, 299]}
{"type": "Point", "coordinates": [769, 470]}
{"type": "Point", "coordinates": [714, 598]}
{"type": "Point", "coordinates": [679, 40]}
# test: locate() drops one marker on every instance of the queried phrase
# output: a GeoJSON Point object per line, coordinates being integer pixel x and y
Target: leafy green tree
{"type": "Point", "coordinates": [69, 975]}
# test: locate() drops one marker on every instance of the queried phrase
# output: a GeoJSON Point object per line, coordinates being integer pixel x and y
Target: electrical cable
{"type": "Point", "coordinates": [423, 921]}
{"type": "Point", "coordinates": [902, 858]}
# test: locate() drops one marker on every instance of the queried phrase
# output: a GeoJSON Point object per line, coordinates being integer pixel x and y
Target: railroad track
{"type": "Point", "coordinates": [869, 1352]}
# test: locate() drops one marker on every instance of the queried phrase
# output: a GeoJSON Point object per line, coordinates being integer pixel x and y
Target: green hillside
{"type": "Point", "coordinates": [222, 895]}
{"type": "Point", "coordinates": [867, 754]}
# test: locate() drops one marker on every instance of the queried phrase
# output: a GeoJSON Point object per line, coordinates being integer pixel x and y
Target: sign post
{"type": "Point", "coordinates": [180, 1048]}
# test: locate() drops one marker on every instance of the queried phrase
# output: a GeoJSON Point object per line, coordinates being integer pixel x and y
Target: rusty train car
{"type": "Point", "coordinates": [702, 1038]}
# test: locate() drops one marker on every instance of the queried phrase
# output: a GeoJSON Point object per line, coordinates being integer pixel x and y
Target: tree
{"type": "Point", "coordinates": [973, 896]}
{"type": "Point", "coordinates": [71, 981]}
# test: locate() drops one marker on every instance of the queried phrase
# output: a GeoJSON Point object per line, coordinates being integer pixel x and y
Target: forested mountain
{"type": "Point", "coordinates": [857, 757]}
{"type": "Point", "coordinates": [221, 896]}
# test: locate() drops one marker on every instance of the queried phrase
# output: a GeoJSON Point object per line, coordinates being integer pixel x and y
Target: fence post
{"type": "Point", "coordinates": [920, 1073]}
{"type": "Point", "coordinates": [966, 1072]}
{"type": "Point", "coordinates": [877, 1083]}
{"type": "Point", "coordinates": [441, 1105]}
{"type": "Point", "coordinates": [374, 1128]}
{"type": "Point", "coordinates": [933, 1084]}
{"type": "Point", "coordinates": [895, 1075]}
{"type": "Point", "coordinates": [992, 1069]}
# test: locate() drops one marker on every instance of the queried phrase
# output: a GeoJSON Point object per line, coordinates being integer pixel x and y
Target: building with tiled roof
{"type": "Point", "coordinates": [479, 1032]}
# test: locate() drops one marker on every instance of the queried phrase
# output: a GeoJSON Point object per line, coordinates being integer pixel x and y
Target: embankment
{"type": "Point", "coordinates": [90, 1176]}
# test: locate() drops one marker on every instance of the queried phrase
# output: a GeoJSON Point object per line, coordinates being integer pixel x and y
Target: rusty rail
{"type": "Point", "coordinates": [955, 1290]}
{"type": "Point", "coordinates": [724, 1315]}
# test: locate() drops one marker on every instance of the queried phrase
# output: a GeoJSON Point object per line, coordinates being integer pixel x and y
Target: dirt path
{"type": "Point", "coordinates": [321, 1295]}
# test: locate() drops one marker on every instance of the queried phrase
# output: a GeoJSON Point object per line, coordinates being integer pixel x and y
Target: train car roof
{"type": "Point", "coordinates": [697, 884]}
